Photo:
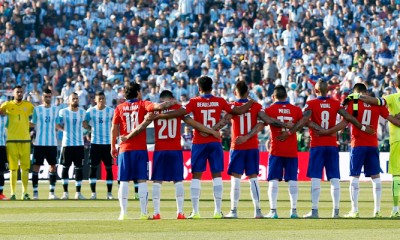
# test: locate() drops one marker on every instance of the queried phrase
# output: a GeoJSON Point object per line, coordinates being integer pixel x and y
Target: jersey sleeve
{"type": "Point", "coordinates": [116, 118]}
{"type": "Point", "coordinates": [389, 99]}
{"type": "Point", "coordinates": [149, 106]}
{"type": "Point", "coordinates": [31, 108]}
{"type": "Point", "coordinates": [226, 106]}
{"type": "Point", "coordinates": [34, 117]}
{"type": "Point", "coordinates": [384, 112]}
{"type": "Point", "coordinates": [88, 115]}
{"type": "Point", "coordinates": [190, 106]}
{"type": "Point", "coordinates": [60, 118]}
{"type": "Point", "coordinates": [3, 107]}
{"type": "Point", "coordinates": [308, 106]}
{"type": "Point", "coordinates": [349, 108]}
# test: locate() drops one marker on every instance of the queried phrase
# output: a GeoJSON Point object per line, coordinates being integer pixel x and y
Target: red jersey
{"type": "Point", "coordinates": [242, 125]}
{"type": "Point", "coordinates": [206, 110]}
{"type": "Point", "coordinates": [324, 112]}
{"type": "Point", "coordinates": [284, 112]}
{"type": "Point", "coordinates": [168, 131]}
{"type": "Point", "coordinates": [129, 115]}
{"type": "Point", "coordinates": [367, 115]}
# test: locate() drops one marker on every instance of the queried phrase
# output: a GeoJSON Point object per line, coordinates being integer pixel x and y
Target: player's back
{"type": "Point", "coordinates": [128, 116]}
{"type": "Point", "coordinates": [45, 120]}
{"type": "Point", "coordinates": [242, 125]}
{"type": "Point", "coordinates": [168, 131]}
{"type": "Point", "coordinates": [324, 113]}
{"type": "Point", "coordinates": [206, 110]}
{"type": "Point", "coordinates": [367, 115]}
{"type": "Point", "coordinates": [284, 112]}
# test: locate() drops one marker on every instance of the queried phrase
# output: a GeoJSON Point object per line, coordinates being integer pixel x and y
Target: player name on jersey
{"type": "Point", "coordinates": [130, 108]}
{"type": "Point", "coordinates": [207, 104]}
{"type": "Point", "coordinates": [284, 111]}
{"type": "Point", "coordinates": [325, 105]}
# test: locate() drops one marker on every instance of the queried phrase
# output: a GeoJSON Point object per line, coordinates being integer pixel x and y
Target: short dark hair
{"type": "Point", "coordinates": [242, 88]}
{"type": "Point", "coordinates": [18, 86]}
{"type": "Point", "coordinates": [205, 83]}
{"type": "Point", "coordinates": [280, 92]}
{"type": "Point", "coordinates": [47, 91]}
{"type": "Point", "coordinates": [398, 80]}
{"type": "Point", "coordinates": [166, 94]}
{"type": "Point", "coordinates": [99, 93]}
{"type": "Point", "coordinates": [132, 90]}
{"type": "Point", "coordinates": [360, 88]}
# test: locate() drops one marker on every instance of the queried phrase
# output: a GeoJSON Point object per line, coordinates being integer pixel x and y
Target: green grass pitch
{"type": "Point", "coordinates": [97, 219]}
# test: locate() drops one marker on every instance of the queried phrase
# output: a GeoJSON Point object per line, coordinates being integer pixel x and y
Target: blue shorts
{"type": "Point", "coordinates": [133, 165]}
{"type": "Point", "coordinates": [367, 157]}
{"type": "Point", "coordinates": [321, 157]}
{"type": "Point", "coordinates": [277, 166]}
{"type": "Point", "coordinates": [167, 166]}
{"type": "Point", "coordinates": [208, 151]}
{"type": "Point", "coordinates": [244, 161]}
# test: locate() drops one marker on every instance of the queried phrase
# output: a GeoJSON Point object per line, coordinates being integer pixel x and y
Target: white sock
{"type": "Point", "coordinates": [217, 185]}
{"type": "Point", "coordinates": [255, 193]}
{"type": "Point", "coordinates": [235, 191]}
{"type": "Point", "coordinates": [143, 197]}
{"type": "Point", "coordinates": [180, 196]}
{"type": "Point", "coordinates": [354, 191]}
{"type": "Point", "coordinates": [123, 193]}
{"type": "Point", "coordinates": [273, 193]}
{"type": "Point", "coordinates": [377, 192]}
{"type": "Point", "coordinates": [293, 194]}
{"type": "Point", "coordinates": [335, 192]}
{"type": "Point", "coordinates": [315, 192]}
{"type": "Point", "coordinates": [195, 188]}
{"type": "Point", "coordinates": [156, 197]}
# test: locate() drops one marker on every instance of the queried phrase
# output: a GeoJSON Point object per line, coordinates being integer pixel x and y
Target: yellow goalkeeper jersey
{"type": "Point", "coordinates": [393, 103]}
{"type": "Point", "coordinates": [18, 120]}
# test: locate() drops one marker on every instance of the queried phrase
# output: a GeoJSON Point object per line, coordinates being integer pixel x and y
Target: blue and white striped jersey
{"type": "Point", "coordinates": [100, 121]}
{"type": "Point", "coordinates": [3, 124]}
{"type": "Point", "coordinates": [72, 122]}
{"type": "Point", "coordinates": [45, 121]}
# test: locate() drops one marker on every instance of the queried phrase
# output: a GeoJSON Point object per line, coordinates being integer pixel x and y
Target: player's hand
{"type": "Point", "coordinates": [114, 152]}
{"type": "Point", "coordinates": [240, 140]}
{"type": "Point", "coordinates": [124, 138]}
{"type": "Point", "coordinates": [370, 130]}
{"type": "Point", "coordinates": [322, 132]}
{"type": "Point", "coordinates": [216, 134]}
{"type": "Point", "coordinates": [289, 125]}
{"type": "Point", "coordinates": [397, 116]}
{"type": "Point", "coordinates": [150, 117]}
{"type": "Point", "coordinates": [353, 96]}
{"type": "Point", "coordinates": [284, 135]}
{"type": "Point", "coordinates": [204, 134]}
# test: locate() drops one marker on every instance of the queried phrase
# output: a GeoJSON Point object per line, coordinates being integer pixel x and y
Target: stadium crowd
{"type": "Point", "coordinates": [91, 45]}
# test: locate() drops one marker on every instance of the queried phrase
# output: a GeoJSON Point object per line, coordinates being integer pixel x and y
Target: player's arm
{"type": "Point", "coordinates": [380, 101]}
{"type": "Point", "coordinates": [273, 121]}
{"type": "Point", "coordinates": [114, 135]}
{"type": "Point", "coordinates": [140, 128]}
{"type": "Point", "coordinates": [255, 130]}
{"type": "Point", "coordinates": [303, 121]}
{"type": "Point", "coordinates": [394, 120]}
{"type": "Point", "coordinates": [173, 114]}
{"type": "Point", "coordinates": [200, 127]}
{"type": "Point", "coordinates": [164, 105]}
{"type": "Point", "coordinates": [222, 122]}
{"type": "Point", "coordinates": [86, 125]}
{"type": "Point", "coordinates": [348, 117]}
{"type": "Point", "coordinates": [325, 132]}
{"type": "Point", "coordinates": [238, 110]}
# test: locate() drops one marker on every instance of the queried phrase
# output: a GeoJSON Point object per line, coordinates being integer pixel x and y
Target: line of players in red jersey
{"type": "Point", "coordinates": [248, 118]}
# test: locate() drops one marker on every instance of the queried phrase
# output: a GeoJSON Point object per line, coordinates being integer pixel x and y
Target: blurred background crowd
{"type": "Point", "coordinates": [91, 45]}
